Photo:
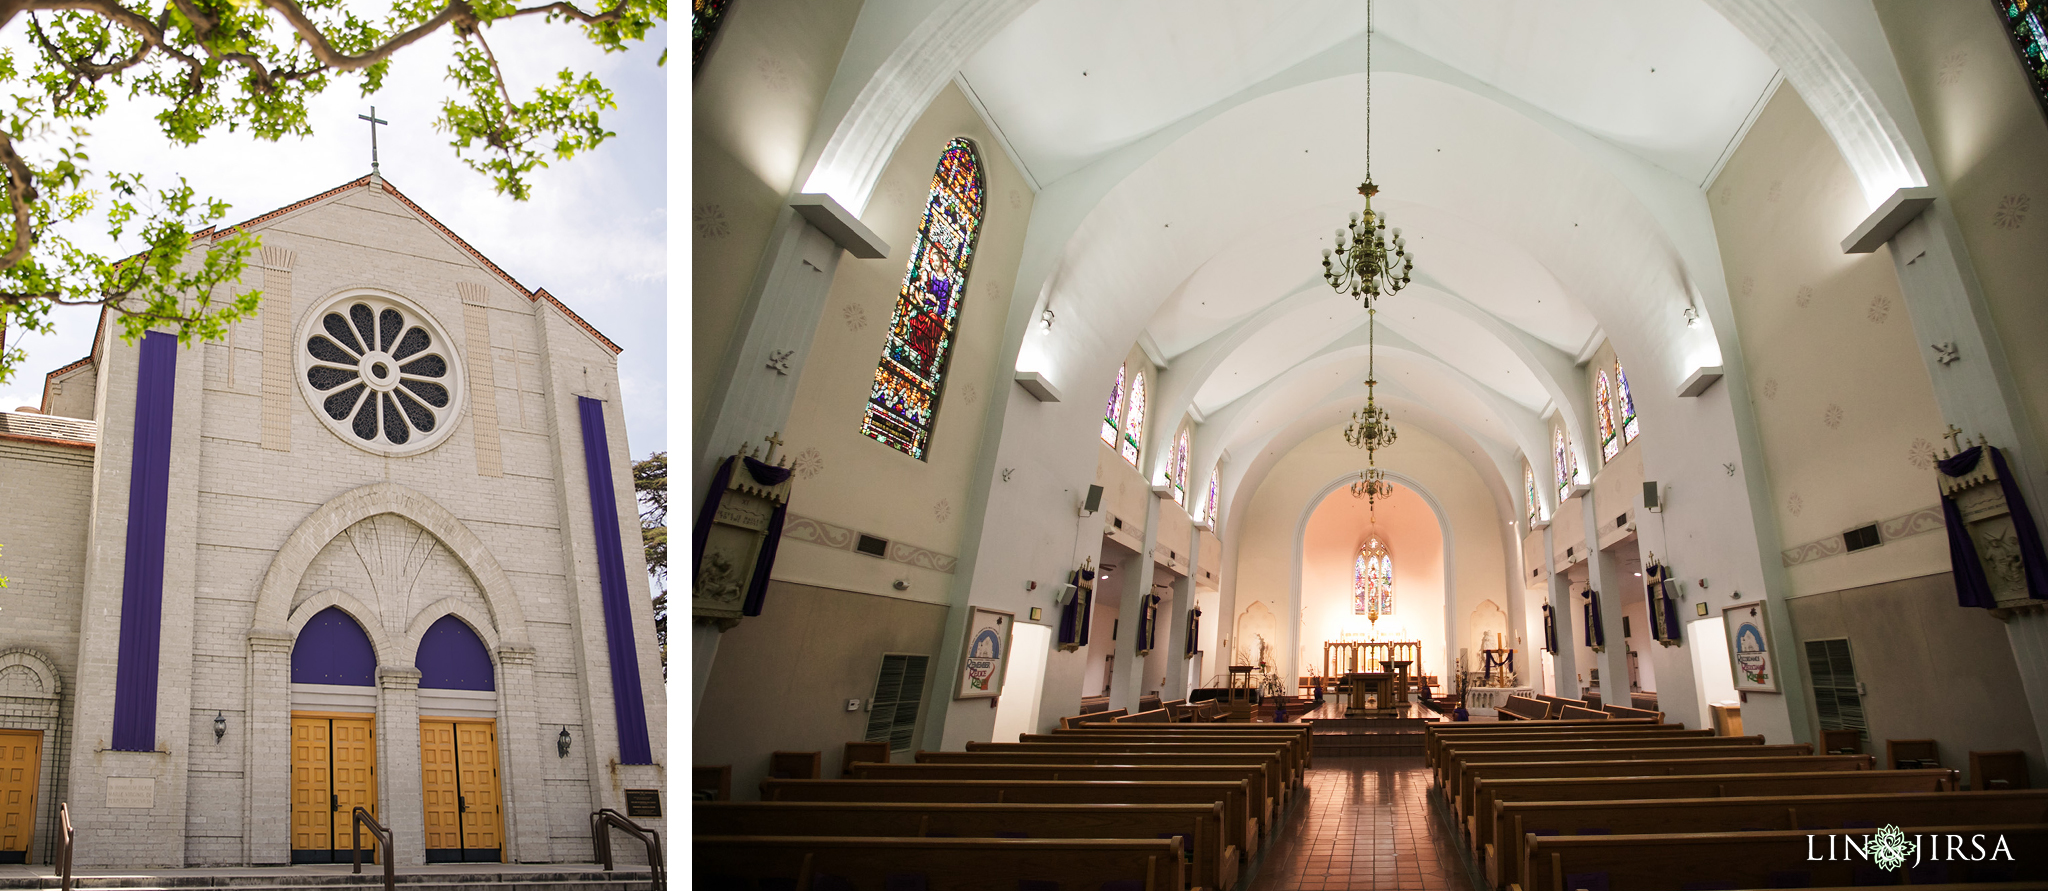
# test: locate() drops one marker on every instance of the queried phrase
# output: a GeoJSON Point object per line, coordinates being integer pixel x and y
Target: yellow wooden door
{"type": "Point", "coordinates": [476, 752]}
{"type": "Point", "coordinates": [355, 778]}
{"type": "Point", "coordinates": [439, 790]}
{"type": "Point", "coordinates": [312, 788]}
{"type": "Point", "coordinates": [21, 759]}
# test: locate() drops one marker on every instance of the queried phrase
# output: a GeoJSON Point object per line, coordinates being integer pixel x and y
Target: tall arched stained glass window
{"type": "Point", "coordinates": [1209, 506]}
{"type": "Point", "coordinates": [1372, 580]}
{"type": "Point", "coordinates": [1625, 405]}
{"type": "Point", "coordinates": [905, 401]}
{"type": "Point", "coordinates": [1112, 415]}
{"type": "Point", "coordinates": [705, 17]}
{"type": "Point", "coordinates": [2026, 22]}
{"type": "Point", "coordinates": [1179, 470]}
{"type": "Point", "coordinates": [1529, 483]}
{"type": "Point", "coordinates": [1562, 458]}
{"type": "Point", "coordinates": [1603, 403]}
{"type": "Point", "coordinates": [1134, 420]}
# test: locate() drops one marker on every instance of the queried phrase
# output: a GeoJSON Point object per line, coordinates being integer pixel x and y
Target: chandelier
{"type": "Point", "coordinates": [1370, 261]}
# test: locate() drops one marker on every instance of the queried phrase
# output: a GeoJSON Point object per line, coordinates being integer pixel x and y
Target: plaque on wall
{"type": "Point", "coordinates": [131, 792]}
{"type": "Point", "coordinates": [643, 802]}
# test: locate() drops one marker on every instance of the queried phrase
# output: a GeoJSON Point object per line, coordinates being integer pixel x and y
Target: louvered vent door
{"type": "Point", "coordinates": [899, 692]}
{"type": "Point", "coordinates": [1836, 700]}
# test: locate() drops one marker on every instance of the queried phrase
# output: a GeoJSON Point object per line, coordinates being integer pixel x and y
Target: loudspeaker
{"type": "Point", "coordinates": [1094, 502]}
{"type": "Point", "coordinates": [1651, 502]}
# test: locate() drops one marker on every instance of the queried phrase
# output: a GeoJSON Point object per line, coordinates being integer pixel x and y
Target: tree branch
{"type": "Point", "coordinates": [21, 193]}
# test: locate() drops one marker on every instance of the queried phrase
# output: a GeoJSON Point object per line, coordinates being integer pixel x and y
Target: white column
{"type": "Point", "coordinates": [268, 715]}
{"type": "Point", "coordinates": [1129, 682]}
{"type": "Point", "coordinates": [521, 739]}
{"type": "Point", "coordinates": [1177, 661]}
{"type": "Point", "coordinates": [402, 809]}
{"type": "Point", "coordinates": [1565, 670]}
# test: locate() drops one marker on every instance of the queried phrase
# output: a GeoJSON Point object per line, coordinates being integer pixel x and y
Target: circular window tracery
{"type": "Point", "coordinates": [380, 373]}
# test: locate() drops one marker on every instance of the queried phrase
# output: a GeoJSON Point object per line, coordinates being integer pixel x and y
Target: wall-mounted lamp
{"type": "Point", "coordinates": [1045, 319]}
{"type": "Point", "coordinates": [562, 743]}
{"type": "Point", "coordinates": [220, 726]}
{"type": "Point", "coordinates": [1692, 317]}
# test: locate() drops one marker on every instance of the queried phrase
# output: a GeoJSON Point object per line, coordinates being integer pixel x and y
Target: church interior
{"type": "Point", "coordinates": [1050, 497]}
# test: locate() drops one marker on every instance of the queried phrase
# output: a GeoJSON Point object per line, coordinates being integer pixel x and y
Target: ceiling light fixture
{"type": "Point", "coordinates": [1370, 262]}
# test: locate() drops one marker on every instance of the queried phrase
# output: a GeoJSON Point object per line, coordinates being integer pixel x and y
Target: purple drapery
{"type": "Point", "coordinates": [628, 706]}
{"type": "Point", "coordinates": [1663, 622]}
{"type": "Point", "coordinates": [1596, 636]}
{"type": "Point", "coordinates": [1194, 631]}
{"type": "Point", "coordinates": [763, 474]}
{"type": "Point", "coordinates": [1549, 629]}
{"type": "Point", "coordinates": [142, 573]}
{"type": "Point", "coordinates": [1148, 622]}
{"type": "Point", "coordinates": [1076, 616]}
{"type": "Point", "coordinates": [1972, 588]}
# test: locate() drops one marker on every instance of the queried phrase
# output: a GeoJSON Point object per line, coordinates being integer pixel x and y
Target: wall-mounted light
{"type": "Point", "coordinates": [1692, 317]}
{"type": "Point", "coordinates": [1045, 320]}
{"type": "Point", "coordinates": [220, 726]}
{"type": "Point", "coordinates": [562, 743]}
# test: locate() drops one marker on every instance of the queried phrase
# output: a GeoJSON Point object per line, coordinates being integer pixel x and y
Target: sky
{"type": "Point", "coordinates": [593, 233]}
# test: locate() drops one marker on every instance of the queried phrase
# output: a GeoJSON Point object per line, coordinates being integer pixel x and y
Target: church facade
{"type": "Point", "coordinates": [374, 548]}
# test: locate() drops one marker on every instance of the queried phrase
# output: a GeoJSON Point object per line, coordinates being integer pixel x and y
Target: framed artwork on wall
{"type": "Point", "coordinates": [1751, 656]}
{"type": "Point", "coordinates": [986, 655]}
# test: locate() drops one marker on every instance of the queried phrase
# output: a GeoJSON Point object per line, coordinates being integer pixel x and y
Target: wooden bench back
{"type": "Point", "coordinates": [1757, 859]}
{"type": "Point", "coordinates": [1435, 733]}
{"type": "Point", "coordinates": [1486, 793]}
{"type": "Point", "coordinates": [1622, 711]}
{"type": "Point", "coordinates": [1258, 802]}
{"type": "Point", "coordinates": [1291, 767]}
{"type": "Point", "coordinates": [1155, 716]}
{"type": "Point", "coordinates": [944, 864]}
{"type": "Point", "coordinates": [1102, 717]}
{"type": "Point", "coordinates": [1273, 777]}
{"type": "Point", "coordinates": [1447, 756]}
{"type": "Point", "coordinates": [1517, 819]}
{"type": "Point", "coordinates": [1455, 780]}
{"type": "Point", "coordinates": [1473, 774]}
{"type": "Point", "coordinates": [1575, 713]}
{"type": "Point", "coordinates": [1199, 826]}
{"type": "Point", "coordinates": [1297, 742]}
{"type": "Point", "coordinates": [1299, 731]}
{"type": "Point", "coordinates": [862, 751]}
{"type": "Point", "coordinates": [1234, 795]}
{"type": "Point", "coordinates": [1523, 708]}
{"type": "Point", "coordinates": [1182, 712]}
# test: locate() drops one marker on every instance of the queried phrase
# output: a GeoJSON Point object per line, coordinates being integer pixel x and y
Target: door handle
{"type": "Point", "coordinates": [334, 802]}
{"type": "Point", "coordinates": [461, 804]}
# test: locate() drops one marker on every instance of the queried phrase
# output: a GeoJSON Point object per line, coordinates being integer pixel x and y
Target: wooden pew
{"type": "Point", "coordinates": [1290, 766]}
{"type": "Point", "coordinates": [1259, 803]}
{"type": "Point", "coordinates": [1518, 819]}
{"type": "Point", "coordinates": [1211, 712]}
{"type": "Point", "coordinates": [1557, 703]}
{"type": "Point", "coordinates": [1622, 711]}
{"type": "Point", "coordinates": [1675, 767]}
{"type": "Point", "coordinates": [1575, 713]}
{"type": "Point", "coordinates": [1304, 742]}
{"type": "Point", "coordinates": [1447, 756]}
{"type": "Point", "coordinates": [1486, 794]}
{"type": "Point", "coordinates": [1437, 732]}
{"type": "Point", "coordinates": [1179, 711]}
{"type": "Point", "coordinates": [945, 864]}
{"type": "Point", "coordinates": [1457, 786]}
{"type": "Point", "coordinates": [1297, 744]}
{"type": "Point", "coordinates": [1200, 826]}
{"type": "Point", "coordinates": [1273, 779]}
{"type": "Point", "coordinates": [1155, 716]}
{"type": "Point", "coordinates": [1522, 708]}
{"type": "Point", "coordinates": [1234, 796]}
{"type": "Point", "coordinates": [1102, 717]}
{"type": "Point", "coordinates": [1757, 859]}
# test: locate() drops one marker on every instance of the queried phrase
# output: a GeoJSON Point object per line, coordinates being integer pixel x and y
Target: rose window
{"type": "Point", "coordinates": [380, 373]}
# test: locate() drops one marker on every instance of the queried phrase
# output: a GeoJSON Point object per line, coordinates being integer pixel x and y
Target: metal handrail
{"type": "Point", "coordinates": [601, 822]}
{"type": "Point", "coordinates": [66, 837]}
{"type": "Point", "coordinates": [360, 818]}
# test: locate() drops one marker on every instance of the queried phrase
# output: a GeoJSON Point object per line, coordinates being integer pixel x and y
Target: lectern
{"type": "Point", "coordinates": [1241, 693]}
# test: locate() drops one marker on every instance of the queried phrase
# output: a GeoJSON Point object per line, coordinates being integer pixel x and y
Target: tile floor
{"type": "Point", "coordinates": [1364, 823]}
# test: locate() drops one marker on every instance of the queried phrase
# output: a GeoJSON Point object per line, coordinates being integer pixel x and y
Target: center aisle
{"type": "Point", "coordinates": [1365, 823]}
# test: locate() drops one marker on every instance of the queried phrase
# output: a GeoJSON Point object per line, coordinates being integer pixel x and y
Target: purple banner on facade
{"type": "Point", "coordinates": [627, 704]}
{"type": "Point", "coordinates": [142, 578]}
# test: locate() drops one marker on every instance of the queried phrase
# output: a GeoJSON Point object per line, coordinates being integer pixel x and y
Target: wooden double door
{"type": "Point", "coordinates": [21, 762]}
{"type": "Point", "coordinates": [334, 771]}
{"type": "Point", "coordinates": [459, 783]}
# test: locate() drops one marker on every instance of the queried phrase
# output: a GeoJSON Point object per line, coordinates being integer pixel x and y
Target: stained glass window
{"type": "Point", "coordinates": [705, 17]}
{"type": "Point", "coordinates": [1209, 506]}
{"type": "Point", "coordinates": [1134, 420]}
{"type": "Point", "coordinates": [905, 401]}
{"type": "Point", "coordinates": [1604, 407]}
{"type": "Point", "coordinates": [1563, 459]}
{"type": "Point", "coordinates": [1113, 413]}
{"type": "Point", "coordinates": [2026, 23]}
{"type": "Point", "coordinates": [1179, 470]}
{"type": "Point", "coordinates": [1372, 581]}
{"type": "Point", "coordinates": [1625, 405]}
{"type": "Point", "coordinates": [1529, 483]}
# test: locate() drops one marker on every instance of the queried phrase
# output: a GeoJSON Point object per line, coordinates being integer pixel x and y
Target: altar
{"type": "Point", "coordinates": [1342, 657]}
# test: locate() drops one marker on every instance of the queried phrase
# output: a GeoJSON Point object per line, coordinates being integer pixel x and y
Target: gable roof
{"type": "Point", "coordinates": [376, 182]}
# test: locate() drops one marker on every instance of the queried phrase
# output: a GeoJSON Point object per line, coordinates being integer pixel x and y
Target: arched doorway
{"type": "Point", "coordinates": [459, 791]}
{"type": "Point", "coordinates": [333, 734]}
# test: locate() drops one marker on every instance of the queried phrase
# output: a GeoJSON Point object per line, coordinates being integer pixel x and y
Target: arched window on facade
{"type": "Point", "coordinates": [1603, 404]}
{"type": "Point", "coordinates": [1209, 506]}
{"type": "Point", "coordinates": [1372, 576]}
{"type": "Point", "coordinates": [1624, 406]}
{"type": "Point", "coordinates": [1113, 414]}
{"type": "Point", "coordinates": [1529, 483]}
{"type": "Point", "coordinates": [1179, 468]}
{"type": "Point", "coordinates": [1134, 420]}
{"type": "Point", "coordinates": [1563, 461]}
{"type": "Point", "coordinates": [904, 404]}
